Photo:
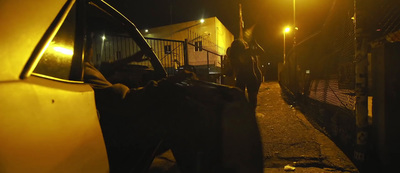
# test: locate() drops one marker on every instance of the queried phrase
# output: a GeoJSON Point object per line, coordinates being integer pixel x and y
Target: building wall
{"type": "Point", "coordinates": [224, 37]}
{"type": "Point", "coordinates": [386, 96]}
{"type": "Point", "coordinates": [214, 35]}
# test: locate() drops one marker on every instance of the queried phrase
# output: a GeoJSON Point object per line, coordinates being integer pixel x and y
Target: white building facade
{"type": "Point", "coordinates": [207, 42]}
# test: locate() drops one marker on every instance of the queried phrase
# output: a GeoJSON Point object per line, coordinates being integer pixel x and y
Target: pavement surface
{"type": "Point", "coordinates": [290, 142]}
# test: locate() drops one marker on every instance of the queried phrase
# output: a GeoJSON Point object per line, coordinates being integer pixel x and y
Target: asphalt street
{"type": "Point", "coordinates": [290, 142]}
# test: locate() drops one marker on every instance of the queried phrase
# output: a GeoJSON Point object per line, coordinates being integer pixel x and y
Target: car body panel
{"type": "Point", "coordinates": [23, 25]}
{"type": "Point", "coordinates": [46, 124]}
{"type": "Point", "coordinates": [49, 126]}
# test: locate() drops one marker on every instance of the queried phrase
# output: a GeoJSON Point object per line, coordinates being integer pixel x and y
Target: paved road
{"type": "Point", "coordinates": [289, 139]}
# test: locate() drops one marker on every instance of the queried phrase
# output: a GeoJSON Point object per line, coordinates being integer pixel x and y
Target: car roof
{"type": "Point", "coordinates": [24, 22]}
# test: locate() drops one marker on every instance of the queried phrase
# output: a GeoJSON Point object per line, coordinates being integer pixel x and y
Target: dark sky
{"type": "Point", "coordinates": [268, 16]}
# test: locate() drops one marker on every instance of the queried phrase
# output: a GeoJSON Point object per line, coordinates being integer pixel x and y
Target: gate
{"type": "Point", "coordinates": [173, 55]}
{"type": "Point", "coordinates": [170, 53]}
{"type": "Point", "coordinates": [199, 58]}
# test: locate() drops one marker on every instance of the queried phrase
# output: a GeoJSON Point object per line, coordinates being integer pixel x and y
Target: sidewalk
{"type": "Point", "coordinates": [290, 140]}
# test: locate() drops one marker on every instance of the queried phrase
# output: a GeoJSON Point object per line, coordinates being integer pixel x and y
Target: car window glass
{"type": "Point", "coordinates": [111, 47]}
{"type": "Point", "coordinates": [112, 43]}
{"type": "Point", "coordinates": [57, 58]}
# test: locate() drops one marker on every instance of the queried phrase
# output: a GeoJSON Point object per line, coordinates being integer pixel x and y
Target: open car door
{"type": "Point", "coordinates": [217, 129]}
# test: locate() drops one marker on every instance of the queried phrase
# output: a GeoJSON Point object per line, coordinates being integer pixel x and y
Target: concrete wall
{"type": "Point", "coordinates": [386, 99]}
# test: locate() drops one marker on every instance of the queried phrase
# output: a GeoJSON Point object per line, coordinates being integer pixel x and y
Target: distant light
{"type": "Point", "coordinates": [146, 30]}
{"type": "Point", "coordinates": [262, 65]}
{"type": "Point", "coordinates": [378, 30]}
{"type": "Point", "coordinates": [308, 71]}
{"type": "Point", "coordinates": [103, 37]}
{"type": "Point", "coordinates": [201, 20]}
{"type": "Point", "coordinates": [287, 29]}
{"type": "Point", "coordinates": [269, 63]}
{"type": "Point", "coordinates": [64, 50]}
{"type": "Point", "coordinates": [296, 28]}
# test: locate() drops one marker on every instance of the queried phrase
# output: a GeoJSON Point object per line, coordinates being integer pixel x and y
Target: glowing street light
{"type": "Point", "coordinates": [286, 30]}
{"type": "Point", "coordinates": [201, 20]}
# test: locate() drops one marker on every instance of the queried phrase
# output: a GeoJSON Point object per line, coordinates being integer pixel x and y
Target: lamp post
{"type": "Point", "coordinates": [294, 25]}
{"type": "Point", "coordinates": [294, 49]}
{"type": "Point", "coordinates": [286, 30]}
{"type": "Point", "coordinates": [294, 13]}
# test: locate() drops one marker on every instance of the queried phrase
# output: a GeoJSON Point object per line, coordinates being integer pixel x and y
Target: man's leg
{"type": "Point", "coordinates": [252, 90]}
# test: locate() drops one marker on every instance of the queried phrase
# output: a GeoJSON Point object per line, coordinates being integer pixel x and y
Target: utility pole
{"type": "Point", "coordinates": [241, 23]}
{"type": "Point", "coordinates": [294, 50]}
{"type": "Point", "coordinates": [361, 83]}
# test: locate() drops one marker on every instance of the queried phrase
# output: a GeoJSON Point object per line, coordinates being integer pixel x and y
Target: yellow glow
{"type": "Point", "coordinates": [64, 50]}
{"type": "Point", "coordinates": [287, 29]}
{"type": "Point", "coordinates": [201, 20]}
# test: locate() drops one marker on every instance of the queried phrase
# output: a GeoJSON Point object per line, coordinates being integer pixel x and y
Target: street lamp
{"type": "Point", "coordinates": [286, 30]}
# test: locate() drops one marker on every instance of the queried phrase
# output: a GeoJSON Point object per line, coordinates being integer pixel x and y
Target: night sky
{"type": "Point", "coordinates": [268, 16]}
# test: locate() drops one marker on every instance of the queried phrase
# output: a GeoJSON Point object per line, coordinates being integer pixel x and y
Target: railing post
{"type": "Point", "coordinates": [185, 54]}
{"type": "Point", "coordinates": [208, 67]}
{"type": "Point", "coordinates": [221, 77]}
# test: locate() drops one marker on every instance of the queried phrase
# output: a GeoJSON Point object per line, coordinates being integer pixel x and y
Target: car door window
{"type": "Point", "coordinates": [115, 52]}
{"type": "Point", "coordinates": [111, 41]}
{"type": "Point", "coordinates": [56, 61]}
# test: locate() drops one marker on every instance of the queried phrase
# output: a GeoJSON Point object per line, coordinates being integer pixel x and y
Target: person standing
{"type": "Point", "coordinates": [245, 68]}
{"type": "Point", "coordinates": [258, 54]}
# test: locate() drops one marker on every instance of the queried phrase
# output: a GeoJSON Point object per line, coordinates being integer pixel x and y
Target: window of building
{"type": "Point", "coordinates": [167, 49]}
{"type": "Point", "coordinates": [198, 46]}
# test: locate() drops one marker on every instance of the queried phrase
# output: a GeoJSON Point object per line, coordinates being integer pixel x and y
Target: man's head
{"type": "Point", "coordinates": [238, 47]}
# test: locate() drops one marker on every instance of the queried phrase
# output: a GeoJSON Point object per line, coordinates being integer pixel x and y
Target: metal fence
{"type": "Point", "coordinates": [202, 58]}
{"type": "Point", "coordinates": [109, 48]}
{"type": "Point", "coordinates": [321, 66]}
{"type": "Point", "coordinates": [380, 19]}
{"type": "Point", "coordinates": [205, 62]}
{"type": "Point", "coordinates": [320, 70]}
{"type": "Point", "coordinates": [200, 52]}
{"type": "Point", "coordinates": [170, 52]}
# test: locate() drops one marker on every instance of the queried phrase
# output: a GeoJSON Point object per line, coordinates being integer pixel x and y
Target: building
{"type": "Point", "coordinates": [207, 41]}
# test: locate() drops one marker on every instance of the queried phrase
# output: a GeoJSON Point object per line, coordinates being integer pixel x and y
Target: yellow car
{"type": "Point", "coordinates": [48, 117]}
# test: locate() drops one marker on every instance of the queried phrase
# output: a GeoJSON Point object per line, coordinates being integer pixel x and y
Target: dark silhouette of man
{"type": "Point", "coordinates": [245, 68]}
